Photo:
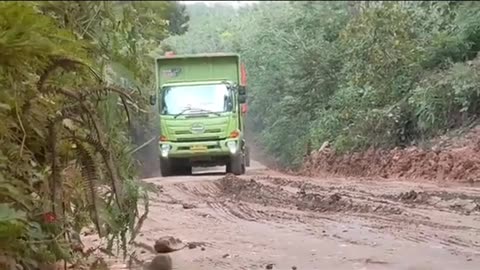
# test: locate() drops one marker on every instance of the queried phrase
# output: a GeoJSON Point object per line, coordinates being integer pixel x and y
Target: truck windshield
{"type": "Point", "coordinates": [194, 99]}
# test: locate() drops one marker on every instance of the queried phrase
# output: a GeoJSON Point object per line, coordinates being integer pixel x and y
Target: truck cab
{"type": "Point", "coordinates": [201, 102]}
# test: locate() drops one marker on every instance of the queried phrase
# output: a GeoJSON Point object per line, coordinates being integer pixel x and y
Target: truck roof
{"type": "Point", "coordinates": [200, 55]}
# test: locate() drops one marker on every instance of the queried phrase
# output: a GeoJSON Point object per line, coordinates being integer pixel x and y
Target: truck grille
{"type": "Point", "coordinates": [187, 132]}
{"type": "Point", "coordinates": [199, 139]}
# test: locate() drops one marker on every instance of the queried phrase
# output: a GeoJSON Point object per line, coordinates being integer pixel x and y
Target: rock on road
{"type": "Point", "coordinates": [266, 220]}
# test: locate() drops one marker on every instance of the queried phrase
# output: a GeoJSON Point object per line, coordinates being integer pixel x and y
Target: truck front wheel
{"type": "Point", "coordinates": [236, 165]}
{"type": "Point", "coordinates": [184, 170]}
{"type": "Point", "coordinates": [165, 167]}
{"type": "Point", "coordinates": [247, 156]}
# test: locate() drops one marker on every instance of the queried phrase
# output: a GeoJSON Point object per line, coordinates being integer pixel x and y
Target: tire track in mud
{"type": "Point", "coordinates": [207, 193]}
{"type": "Point", "coordinates": [419, 209]}
{"type": "Point", "coordinates": [230, 196]}
{"type": "Point", "coordinates": [455, 202]}
{"type": "Point", "coordinates": [254, 220]}
{"type": "Point", "coordinates": [255, 192]}
{"type": "Point", "coordinates": [278, 200]}
{"type": "Point", "coordinates": [224, 208]}
{"type": "Point", "coordinates": [400, 211]}
{"type": "Point", "coordinates": [461, 203]}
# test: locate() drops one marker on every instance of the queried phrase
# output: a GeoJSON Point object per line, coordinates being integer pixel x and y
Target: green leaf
{"type": "Point", "coordinates": [8, 214]}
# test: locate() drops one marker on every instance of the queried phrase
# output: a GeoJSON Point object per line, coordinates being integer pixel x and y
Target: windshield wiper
{"type": "Point", "coordinates": [208, 111]}
{"type": "Point", "coordinates": [182, 112]}
{"type": "Point", "coordinates": [195, 109]}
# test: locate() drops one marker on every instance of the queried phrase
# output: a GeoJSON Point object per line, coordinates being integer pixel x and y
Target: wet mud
{"type": "Point", "coordinates": [268, 220]}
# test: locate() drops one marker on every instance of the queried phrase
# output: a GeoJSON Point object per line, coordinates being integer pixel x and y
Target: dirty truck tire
{"type": "Point", "coordinates": [165, 168]}
{"type": "Point", "coordinates": [247, 156]}
{"type": "Point", "coordinates": [188, 170]}
{"type": "Point", "coordinates": [236, 165]}
{"type": "Point", "coordinates": [184, 170]}
{"type": "Point", "coordinates": [181, 167]}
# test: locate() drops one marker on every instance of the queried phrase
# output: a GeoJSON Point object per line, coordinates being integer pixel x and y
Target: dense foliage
{"type": "Point", "coordinates": [357, 74]}
{"type": "Point", "coordinates": [75, 76]}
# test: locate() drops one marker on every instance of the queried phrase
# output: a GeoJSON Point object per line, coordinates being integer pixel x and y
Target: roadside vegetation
{"type": "Point", "coordinates": [356, 74]}
{"type": "Point", "coordinates": [75, 76]}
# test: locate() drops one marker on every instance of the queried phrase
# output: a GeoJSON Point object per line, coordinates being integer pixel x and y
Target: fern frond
{"type": "Point", "coordinates": [100, 146]}
{"type": "Point", "coordinates": [111, 169]}
{"type": "Point", "coordinates": [66, 64]}
{"type": "Point", "coordinates": [141, 219]}
{"type": "Point", "coordinates": [89, 173]}
{"type": "Point", "coordinates": [97, 145]}
{"type": "Point", "coordinates": [124, 102]}
{"type": "Point", "coordinates": [114, 89]}
{"type": "Point", "coordinates": [56, 183]}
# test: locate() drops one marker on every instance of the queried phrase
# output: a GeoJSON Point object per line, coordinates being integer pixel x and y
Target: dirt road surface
{"type": "Point", "coordinates": [265, 219]}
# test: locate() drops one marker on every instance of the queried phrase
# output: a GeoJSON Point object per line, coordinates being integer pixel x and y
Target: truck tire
{"type": "Point", "coordinates": [181, 167]}
{"type": "Point", "coordinates": [247, 156]}
{"type": "Point", "coordinates": [236, 165]}
{"type": "Point", "coordinates": [165, 168]}
{"type": "Point", "coordinates": [184, 170]}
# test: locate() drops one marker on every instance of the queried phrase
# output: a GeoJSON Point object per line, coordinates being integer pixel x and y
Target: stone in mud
{"type": "Point", "coordinates": [471, 206]}
{"type": "Point", "coordinates": [188, 206]}
{"type": "Point", "coordinates": [168, 244]}
{"type": "Point", "coordinates": [160, 262]}
{"type": "Point", "coordinates": [461, 204]}
{"type": "Point", "coordinates": [434, 200]}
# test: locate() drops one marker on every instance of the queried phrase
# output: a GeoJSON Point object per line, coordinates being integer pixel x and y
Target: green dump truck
{"type": "Point", "coordinates": [201, 101]}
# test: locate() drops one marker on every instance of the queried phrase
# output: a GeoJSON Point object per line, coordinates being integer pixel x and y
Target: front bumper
{"type": "Point", "coordinates": [226, 147]}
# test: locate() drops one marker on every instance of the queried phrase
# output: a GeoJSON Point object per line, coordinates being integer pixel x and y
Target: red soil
{"type": "Point", "coordinates": [448, 160]}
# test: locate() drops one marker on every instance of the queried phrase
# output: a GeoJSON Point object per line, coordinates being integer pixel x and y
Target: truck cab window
{"type": "Point", "coordinates": [195, 99]}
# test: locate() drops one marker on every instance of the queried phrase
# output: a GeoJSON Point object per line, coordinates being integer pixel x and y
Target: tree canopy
{"type": "Point", "coordinates": [357, 74]}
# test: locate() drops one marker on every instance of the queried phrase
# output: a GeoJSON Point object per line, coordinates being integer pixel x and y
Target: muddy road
{"type": "Point", "coordinates": [266, 220]}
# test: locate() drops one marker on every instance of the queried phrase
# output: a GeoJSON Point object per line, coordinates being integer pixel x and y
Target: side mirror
{"type": "Point", "coordinates": [242, 90]}
{"type": "Point", "coordinates": [153, 100]}
{"type": "Point", "coordinates": [242, 98]}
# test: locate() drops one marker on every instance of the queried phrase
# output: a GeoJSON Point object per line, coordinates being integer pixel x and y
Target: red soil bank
{"type": "Point", "coordinates": [449, 160]}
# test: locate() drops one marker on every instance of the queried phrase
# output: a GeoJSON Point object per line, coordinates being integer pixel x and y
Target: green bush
{"type": "Point", "coordinates": [380, 74]}
{"type": "Point", "coordinates": [446, 99]}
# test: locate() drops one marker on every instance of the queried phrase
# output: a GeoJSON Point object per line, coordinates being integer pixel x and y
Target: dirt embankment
{"type": "Point", "coordinates": [449, 159]}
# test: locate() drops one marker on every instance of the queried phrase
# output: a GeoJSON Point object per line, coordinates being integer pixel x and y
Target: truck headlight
{"type": "Point", "coordinates": [164, 149]}
{"type": "Point", "coordinates": [232, 146]}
